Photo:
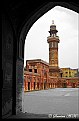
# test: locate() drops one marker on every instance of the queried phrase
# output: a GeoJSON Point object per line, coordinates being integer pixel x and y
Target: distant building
{"type": "Point", "coordinates": [68, 72]}
{"type": "Point", "coordinates": [39, 74]}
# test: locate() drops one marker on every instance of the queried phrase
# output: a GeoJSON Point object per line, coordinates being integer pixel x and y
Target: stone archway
{"type": "Point", "coordinates": [29, 23]}
{"type": "Point", "coordinates": [18, 47]}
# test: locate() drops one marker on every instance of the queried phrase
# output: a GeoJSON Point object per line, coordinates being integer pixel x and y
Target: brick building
{"type": "Point", "coordinates": [39, 74]}
{"type": "Point", "coordinates": [36, 75]}
{"type": "Point", "coordinates": [68, 72]}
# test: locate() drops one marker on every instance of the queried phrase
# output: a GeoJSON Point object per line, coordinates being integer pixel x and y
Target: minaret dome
{"type": "Point", "coordinates": [52, 28]}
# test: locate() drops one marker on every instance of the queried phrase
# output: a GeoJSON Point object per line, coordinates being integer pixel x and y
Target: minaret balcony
{"type": "Point", "coordinates": [51, 38]}
{"type": "Point", "coordinates": [56, 37]}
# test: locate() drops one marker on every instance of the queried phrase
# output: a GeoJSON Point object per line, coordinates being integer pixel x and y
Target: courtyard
{"type": "Point", "coordinates": [51, 103]}
{"type": "Point", "coordinates": [58, 101]}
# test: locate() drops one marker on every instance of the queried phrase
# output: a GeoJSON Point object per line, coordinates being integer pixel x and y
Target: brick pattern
{"type": "Point", "coordinates": [43, 80]}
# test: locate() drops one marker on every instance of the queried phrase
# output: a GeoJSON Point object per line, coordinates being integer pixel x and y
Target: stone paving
{"type": "Point", "coordinates": [51, 103]}
{"type": "Point", "coordinates": [54, 101]}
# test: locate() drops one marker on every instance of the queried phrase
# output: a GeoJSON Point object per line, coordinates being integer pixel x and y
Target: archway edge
{"type": "Point", "coordinates": [24, 28]}
{"type": "Point", "coordinates": [28, 24]}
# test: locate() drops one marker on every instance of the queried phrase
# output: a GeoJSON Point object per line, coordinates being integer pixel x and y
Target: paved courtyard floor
{"type": "Point", "coordinates": [51, 103]}
{"type": "Point", "coordinates": [60, 101]}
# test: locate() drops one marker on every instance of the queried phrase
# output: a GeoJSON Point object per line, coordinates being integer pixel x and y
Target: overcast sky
{"type": "Point", "coordinates": [66, 21]}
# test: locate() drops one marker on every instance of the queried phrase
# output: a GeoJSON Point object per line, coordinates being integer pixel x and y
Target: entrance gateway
{"type": "Point", "coordinates": [15, 30]}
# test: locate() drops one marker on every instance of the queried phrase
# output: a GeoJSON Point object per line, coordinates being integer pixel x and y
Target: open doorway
{"type": "Point", "coordinates": [20, 30]}
{"type": "Point", "coordinates": [38, 48]}
{"type": "Point", "coordinates": [28, 85]}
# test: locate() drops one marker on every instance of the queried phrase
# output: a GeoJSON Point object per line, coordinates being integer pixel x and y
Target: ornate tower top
{"type": "Point", "coordinates": [53, 28]}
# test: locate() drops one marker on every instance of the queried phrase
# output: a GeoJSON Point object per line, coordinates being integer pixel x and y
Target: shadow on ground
{"type": "Point", "coordinates": [28, 115]}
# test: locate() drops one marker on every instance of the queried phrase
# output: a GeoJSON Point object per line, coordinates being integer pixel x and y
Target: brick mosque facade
{"type": "Point", "coordinates": [40, 75]}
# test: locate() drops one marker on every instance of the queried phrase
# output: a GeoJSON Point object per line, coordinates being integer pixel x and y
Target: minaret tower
{"type": "Point", "coordinates": [53, 41]}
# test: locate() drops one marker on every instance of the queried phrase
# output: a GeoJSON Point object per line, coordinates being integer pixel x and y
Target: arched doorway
{"type": "Point", "coordinates": [35, 17]}
{"type": "Point", "coordinates": [18, 47]}
{"type": "Point", "coordinates": [64, 85]}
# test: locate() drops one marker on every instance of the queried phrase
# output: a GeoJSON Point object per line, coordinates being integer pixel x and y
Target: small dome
{"type": "Point", "coordinates": [52, 23]}
{"type": "Point", "coordinates": [52, 26]}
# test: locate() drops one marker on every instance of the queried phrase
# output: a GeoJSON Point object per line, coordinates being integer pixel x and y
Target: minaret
{"type": "Point", "coordinates": [53, 41]}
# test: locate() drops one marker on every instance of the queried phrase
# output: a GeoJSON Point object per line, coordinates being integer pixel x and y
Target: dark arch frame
{"type": "Point", "coordinates": [13, 12]}
{"type": "Point", "coordinates": [27, 24]}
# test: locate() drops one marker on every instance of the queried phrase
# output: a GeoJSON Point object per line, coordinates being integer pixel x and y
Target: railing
{"type": "Point", "coordinates": [53, 37]}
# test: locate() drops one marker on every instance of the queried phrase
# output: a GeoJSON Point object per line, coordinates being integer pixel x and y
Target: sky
{"type": "Point", "coordinates": [66, 21]}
